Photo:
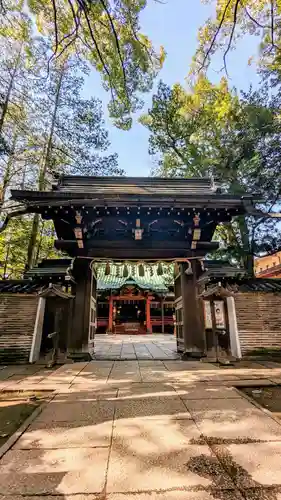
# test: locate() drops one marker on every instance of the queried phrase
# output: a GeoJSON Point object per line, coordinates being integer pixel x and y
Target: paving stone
{"type": "Point", "coordinates": [253, 464]}
{"type": "Point", "coordinates": [254, 383]}
{"type": "Point", "coordinates": [188, 365]}
{"type": "Point", "coordinates": [147, 436]}
{"type": "Point", "coordinates": [88, 381]}
{"type": "Point", "coordinates": [262, 494]}
{"type": "Point", "coordinates": [146, 390]}
{"type": "Point", "coordinates": [214, 406]}
{"type": "Point", "coordinates": [66, 435]}
{"type": "Point", "coordinates": [130, 470]}
{"type": "Point", "coordinates": [50, 461]}
{"type": "Point", "coordinates": [276, 380]}
{"type": "Point", "coordinates": [203, 393]}
{"type": "Point", "coordinates": [93, 412]}
{"type": "Point", "coordinates": [179, 495]}
{"type": "Point", "coordinates": [232, 425]}
{"type": "Point", "coordinates": [156, 406]}
{"type": "Point", "coordinates": [59, 483]}
{"type": "Point", "coordinates": [76, 394]}
{"type": "Point", "coordinates": [64, 497]}
{"type": "Point", "coordinates": [151, 362]}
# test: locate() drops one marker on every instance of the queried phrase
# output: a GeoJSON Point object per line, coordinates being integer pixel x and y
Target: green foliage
{"type": "Point", "coordinates": [106, 35]}
{"type": "Point", "coordinates": [46, 129]}
{"type": "Point", "coordinates": [234, 19]}
{"type": "Point", "coordinates": [209, 131]}
{"type": "Point", "coordinates": [14, 242]}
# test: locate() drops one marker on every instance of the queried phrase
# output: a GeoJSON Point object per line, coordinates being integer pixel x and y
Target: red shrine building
{"type": "Point", "coordinates": [135, 299]}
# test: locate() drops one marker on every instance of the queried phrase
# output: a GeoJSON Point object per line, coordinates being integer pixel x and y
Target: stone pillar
{"type": "Point", "coordinates": [78, 347]}
{"type": "Point", "coordinates": [233, 328]}
{"type": "Point", "coordinates": [162, 316]}
{"type": "Point", "coordinates": [193, 319]}
{"type": "Point", "coordinates": [110, 315]}
{"type": "Point", "coordinates": [148, 318]}
{"type": "Point", "coordinates": [37, 333]}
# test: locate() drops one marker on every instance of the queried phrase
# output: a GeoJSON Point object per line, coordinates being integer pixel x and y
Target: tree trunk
{"type": "Point", "coordinates": [247, 257]}
{"type": "Point", "coordinates": [31, 252]}
{"type": "Point", "coordinates": [7, 98]}
{"type": "Point", "coordinates": [7, 173]}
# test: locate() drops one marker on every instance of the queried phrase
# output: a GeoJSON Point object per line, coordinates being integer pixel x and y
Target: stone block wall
{"type": "Point", "coordinates": [258, 320]}
{"type": "Point", "coordinates": [17, 319]}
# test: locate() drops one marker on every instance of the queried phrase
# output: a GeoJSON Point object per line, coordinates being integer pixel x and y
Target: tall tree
{"type": "Point", "coordinates": [210, 131]}
{"type": "Point", "coordinates": [107, 34]}
{"type": "Point", "coordinates": [69, 134]}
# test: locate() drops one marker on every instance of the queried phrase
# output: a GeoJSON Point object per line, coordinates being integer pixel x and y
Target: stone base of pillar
{"type": "Point", "coordinates": [80, 355]}
{"type": "Point", "coordinates": [192, 355]}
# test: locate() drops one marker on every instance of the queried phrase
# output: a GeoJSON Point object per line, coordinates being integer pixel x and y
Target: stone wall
{"type": "Point", "coordinates": [17, 319]}
{"type": "Point", "coordinates": [258, 320]}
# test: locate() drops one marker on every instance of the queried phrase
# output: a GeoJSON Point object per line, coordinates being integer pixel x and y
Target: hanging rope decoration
{"type": "Point", "coordinates": [160, 271]}
{"type": "Point", "coordinates": [125, 271]}
{"type": "Point", "coordinates": [107, 269]}
{"type": "Point", "coordinates": [151, 270]}
{"type": "Point", "coordinates": [133, 270]}
{"type": "Point", "coordinates": [117, 271]}
{"type": "Point", "coordinates": [141, 270]}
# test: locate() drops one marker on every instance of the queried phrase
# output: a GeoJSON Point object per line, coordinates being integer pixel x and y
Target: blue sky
{"type": "Point", "coordinates": [174, 25]}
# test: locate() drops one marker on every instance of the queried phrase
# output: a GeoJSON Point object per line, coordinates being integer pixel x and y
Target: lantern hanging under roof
{"type": "Point", "coordinates": [125, 271]}
{"type": "Point", "coordinates": [160, 271]}
{"type": "Point", "coordinates": [107, 269]}
{"type": "Point", "coordinates": [141, 270]}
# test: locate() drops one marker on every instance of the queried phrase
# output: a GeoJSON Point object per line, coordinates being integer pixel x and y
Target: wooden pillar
{"type": "Point", "coordinates": [78, 347]}
{"type": "Point", "coordinates": [162, 316]}
{"type": "Point", "coordinates": [110, 315]}
{"type": "Point", "coordinates": [193, 320]}
{"type": "Point", "coordinates": [148, 318]}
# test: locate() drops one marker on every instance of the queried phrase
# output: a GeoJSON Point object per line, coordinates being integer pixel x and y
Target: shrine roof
{"type": "Point", "coordinates": [220, 269]}
{"type": "Point", "coordinates": [259, 285]}
{"type": "Point", "coordinates": [19, 286]}
{"type": "Point", "coordinates": [50, 268]}
{"type": "Point", "coordinates": [135, 185]}
{"type": "Point", "coordinates": [83, 187]}
{"type": "Point", "coordinates": [240, 282]}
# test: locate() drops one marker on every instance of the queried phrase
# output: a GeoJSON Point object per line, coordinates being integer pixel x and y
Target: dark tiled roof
{"type": "Point", "coordinates": [260, 285]}
{"type": "Point", "coordinates": [135, 185]}
{"type": "Point", "coordinates": [19, 286]}
{"type": "Point", "coordinates": [220, 269]}
{"type": "Point", "coordinates": [49, 268]}
{"type": "Point", "coordinates": [244, 284]}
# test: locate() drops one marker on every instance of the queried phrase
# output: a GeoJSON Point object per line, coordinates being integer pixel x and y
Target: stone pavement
{"type": "Point", "coordinates": [149, 346]}
{"type": "Point", "coordinates": [144, 430]}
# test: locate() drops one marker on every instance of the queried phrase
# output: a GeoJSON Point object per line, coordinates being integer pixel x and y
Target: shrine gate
{"type": "Point", "coordinates": [139, 221]}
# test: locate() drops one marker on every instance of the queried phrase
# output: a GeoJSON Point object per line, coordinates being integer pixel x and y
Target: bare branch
{"type": "Point", "coordinates": [215, 35]}
{"type": "Point", "coordinates": [117, 45]}
{"type": "Point", "coordinates": [231, 34]}
{"type": "Point", "coordinates": [252, 18]}
{"type": "Point", "coordinates": [55, 25]}
{"type": "Point", "coordinates": [272, 22]}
